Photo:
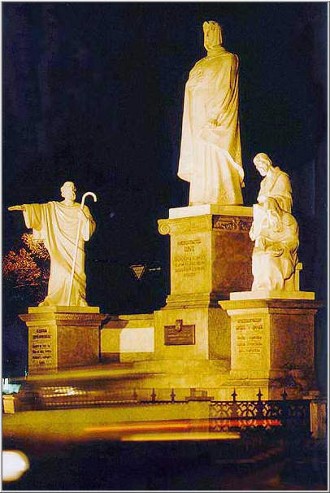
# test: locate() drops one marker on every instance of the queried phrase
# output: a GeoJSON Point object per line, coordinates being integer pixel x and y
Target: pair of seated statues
{"type": "Point", "coordinates": [274, 230]}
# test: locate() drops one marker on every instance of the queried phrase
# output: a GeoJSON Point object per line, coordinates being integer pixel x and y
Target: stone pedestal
{"type": "Point", "coordinates": [62, 337]}
{"type": "Point", "coordinates": [210, 257]}
{"type": "Point", "coordinates": [192, 334]}
{"type": "Point", "coordinates": [272, 344]}
{"type": "Point", "coordinates": [210, 253]}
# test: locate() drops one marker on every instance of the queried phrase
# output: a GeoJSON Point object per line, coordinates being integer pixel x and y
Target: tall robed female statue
{"type": "Point", "coordinates": [210, 158]}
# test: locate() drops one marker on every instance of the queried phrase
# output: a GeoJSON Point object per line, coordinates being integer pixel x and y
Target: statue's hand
{"type": "Point", "coordinates": [17, 208]}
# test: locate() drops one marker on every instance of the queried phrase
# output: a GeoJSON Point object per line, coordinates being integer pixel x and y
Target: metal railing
{"type": "Point", "coordinates": [222, 414]}
{"type": "Point", "coordinates": [293, 415]}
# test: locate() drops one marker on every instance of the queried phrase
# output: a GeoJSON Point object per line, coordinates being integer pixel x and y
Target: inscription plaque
{"type": "Point", "coordinates": [189, 257]}
{"type": "Point", "coordinates": [42, 348]}
{"type": "Point", "coordinates": [249, 335]}
{"type": "Point", "coordinates": [179, 334]}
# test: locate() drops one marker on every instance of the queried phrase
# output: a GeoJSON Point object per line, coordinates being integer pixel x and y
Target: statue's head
{"type": "Point", "coordinates": [212, 35]}
{"type": "Point", "coordinates": [262, 162]}
{"type": "Point", "coordinates": [68, 190]}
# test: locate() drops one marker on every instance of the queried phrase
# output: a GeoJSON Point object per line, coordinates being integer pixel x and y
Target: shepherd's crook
{"type": "Point", "coordinates": [77, 241]}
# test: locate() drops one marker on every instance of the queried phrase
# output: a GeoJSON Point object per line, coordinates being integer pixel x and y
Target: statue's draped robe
{"type": "Point", "coordinates": [210, 157]}
{"type": "Point", "coordinates": [56, 225]}
{"type": "Point", "coordinates": [274, 264]}
{"type": "Point", "coordinates": [277, 186]}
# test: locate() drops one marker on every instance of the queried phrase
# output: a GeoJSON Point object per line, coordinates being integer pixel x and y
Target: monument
{"type": "Point", "coordinates": [210, 248]}
{"type": "Point", "coordinates": [63, 329]}
{"type": "Point", "coordinates": [235, 316]}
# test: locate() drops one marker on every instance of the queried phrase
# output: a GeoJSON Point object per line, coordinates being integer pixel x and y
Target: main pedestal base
{"type": "Point", "coordinates": [210, 253]}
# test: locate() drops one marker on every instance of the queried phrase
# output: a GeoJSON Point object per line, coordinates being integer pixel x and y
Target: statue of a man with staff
{"type": "Point", "coordinates": [63, 227]}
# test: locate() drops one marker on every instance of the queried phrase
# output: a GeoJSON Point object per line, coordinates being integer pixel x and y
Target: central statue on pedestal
{"type": "Point", "coordinates": [210, 158]}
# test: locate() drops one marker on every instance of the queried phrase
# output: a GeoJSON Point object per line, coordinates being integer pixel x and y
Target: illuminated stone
{"type": "Point", "coordinates": [272, 345]}
{"type": "Point", "coordinates": [62, 337]}
{"type": "Point", "coordinates": [201, 210]}
{"type": "Point", "coordinates": [268, 294]}
{"type": "Point", "coordinates": [210, 158]}
{"type": "Point", "coordinates": [128, 338]}
{"type": "Point", "coordinates": [210, 253]}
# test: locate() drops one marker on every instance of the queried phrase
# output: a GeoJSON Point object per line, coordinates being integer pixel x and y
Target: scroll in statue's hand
{"type": "Point", "coordinates": [17, 208]}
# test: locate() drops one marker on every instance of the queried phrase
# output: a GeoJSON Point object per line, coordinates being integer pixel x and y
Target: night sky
{"type": "Point", "coordinates": [93, 92]}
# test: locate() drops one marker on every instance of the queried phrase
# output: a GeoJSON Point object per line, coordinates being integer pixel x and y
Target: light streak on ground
{"type": "Point", "coordinates": [174, 436]}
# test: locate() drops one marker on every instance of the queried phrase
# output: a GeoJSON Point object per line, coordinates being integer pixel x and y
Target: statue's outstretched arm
{"type": "Point", "coordinates": [17, 208]}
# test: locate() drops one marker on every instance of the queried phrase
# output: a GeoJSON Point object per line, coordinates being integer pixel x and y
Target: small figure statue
{"type": "Point", "coordinates": [63, 227]}
{"type": "Point", "coordinates": [274, 230]}
{"type": "Point", "coordinates": [210, 157]}
{"type": "Point", "coordinates": [276, 183]}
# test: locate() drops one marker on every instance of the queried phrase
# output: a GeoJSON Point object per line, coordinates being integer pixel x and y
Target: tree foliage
{"type": "Point", "coordinates": [26, 270]}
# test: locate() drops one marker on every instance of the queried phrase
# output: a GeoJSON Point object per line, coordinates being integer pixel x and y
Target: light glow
{"type": "Point", "coordinates": [14, 464]}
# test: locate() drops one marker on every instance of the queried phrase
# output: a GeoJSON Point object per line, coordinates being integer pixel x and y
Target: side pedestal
{"type": "Point", "coordinates": [272, 346]}
{"type": "Point", "coordinates": [62, 337]}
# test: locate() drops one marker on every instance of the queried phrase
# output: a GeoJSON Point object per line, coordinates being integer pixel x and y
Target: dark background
{"type": "Point", "coordinates": [93, 92]}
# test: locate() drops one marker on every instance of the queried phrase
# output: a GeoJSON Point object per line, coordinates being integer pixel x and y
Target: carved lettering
{"type": "Point", "coordinates": [189, 258]}
{"type": "Point", "coordinates": [179, 334]}
{"type": "Point", "coordinates": [41, 348]}
{"type": "Point", "coordinates": [232, 223]}
{"type": "Point", "coordinates": [190, 242]}
{"type": "Point", "coordinates": [249, 336]}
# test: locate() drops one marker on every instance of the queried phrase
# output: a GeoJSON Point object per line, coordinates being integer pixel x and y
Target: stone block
{"type": "Point", "coordinates": [62, 337]}
{"type": "Point", "coordinates": [128, 338]}
{"type": "Point", "coordinates": [272, 342]}
{"type": "Point", "coordinates": [193, 333]}
{"type": "Point", "coordinates": [210, 253]}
